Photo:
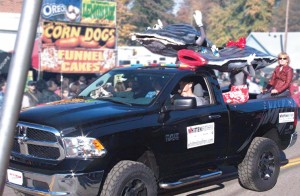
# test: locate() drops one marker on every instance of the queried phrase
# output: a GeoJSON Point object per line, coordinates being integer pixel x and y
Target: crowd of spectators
{"type": "Point", "coordinates": [57, 88]}
{"type": "Point", "coordinates": [53, 89]}
{"type": "Point", "coordinates": [44, 91]}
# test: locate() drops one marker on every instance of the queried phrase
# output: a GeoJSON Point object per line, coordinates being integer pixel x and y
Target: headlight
{"type": "Point", "coordinates": [83, 147]}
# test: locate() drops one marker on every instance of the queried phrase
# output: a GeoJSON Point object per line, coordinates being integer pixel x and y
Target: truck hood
{"type": "Point", "coordinates": [70, 113]}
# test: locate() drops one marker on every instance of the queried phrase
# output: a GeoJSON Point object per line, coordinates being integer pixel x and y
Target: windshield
{"type": "Point", "coordinates": [130, 87]}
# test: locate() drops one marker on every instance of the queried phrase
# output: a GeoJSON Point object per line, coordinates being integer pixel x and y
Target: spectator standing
{"type": "Point", "coordinates": [253, 87]}
{"type": "Point", "coordinates": [32, 96]}
{"type": "Point", "coordinates": [262, 79]}
{"type": "Point", "coordinates": [41, 85]}
{"type": "Point", "coordinates": [49, 95]}
{"type": "Point", "coordinates": [65, 94]}
{"type": "Point", "coordinates": [74, 89]}
{"type": "Point", "coordinates": [65, 83]}
{"type": "Point", "coordinates": [154, 63]}
{"type": "Point", "coordinates": [82, 83]}
{"type": "Point", "coordinates": [137, 64]}
{"type": "Point", "coordinates": [91, 80]}
{"type": "Point", "coordinates": [2, 91]}
{"type": "Point", "coordinates": [295, 91]}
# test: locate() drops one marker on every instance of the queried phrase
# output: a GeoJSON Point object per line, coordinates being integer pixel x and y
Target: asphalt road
{"type": "Point", "coordinates": [228, 185]}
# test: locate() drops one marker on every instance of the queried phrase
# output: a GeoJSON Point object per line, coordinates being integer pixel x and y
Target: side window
{"type": "Point", "coordinates": [193, 86]}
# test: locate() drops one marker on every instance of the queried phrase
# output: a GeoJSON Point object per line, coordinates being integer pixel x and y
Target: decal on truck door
{"type": "Point", "coordinates": [200, 135]}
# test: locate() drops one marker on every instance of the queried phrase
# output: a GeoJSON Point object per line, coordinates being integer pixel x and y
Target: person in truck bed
{"type": "Point", "coordinates": [281, 79]}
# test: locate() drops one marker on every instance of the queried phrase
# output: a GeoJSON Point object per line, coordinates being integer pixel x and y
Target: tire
{"type": "Point", "coordinates": [130, 178]}
{"type": "Point", "coordinates": [261, 166]}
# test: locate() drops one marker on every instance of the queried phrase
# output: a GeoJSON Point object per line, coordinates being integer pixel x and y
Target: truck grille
{"type": "Point", "coordinates": [37, 141]}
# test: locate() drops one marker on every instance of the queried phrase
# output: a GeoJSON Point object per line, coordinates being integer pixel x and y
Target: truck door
{"type": "Point", "coordinates": [196, 136]}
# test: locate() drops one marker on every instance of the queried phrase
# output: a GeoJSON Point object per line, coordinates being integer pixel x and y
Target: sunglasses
{"type": "Point", "coordinates": [282, 58]}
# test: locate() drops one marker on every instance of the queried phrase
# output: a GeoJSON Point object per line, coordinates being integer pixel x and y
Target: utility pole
{"type": "Point", "coordinates": [286, 24]}
{"type": "Point", "coordinates": [16, 81]}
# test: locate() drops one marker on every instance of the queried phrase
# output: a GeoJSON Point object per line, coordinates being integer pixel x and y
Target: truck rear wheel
{"type": "Point", "coordinates": [260, 168]}
{"type": "Point", "coordinates": [130, 178]}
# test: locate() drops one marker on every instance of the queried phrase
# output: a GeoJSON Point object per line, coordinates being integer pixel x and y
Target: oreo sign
{"type": "Point", "coordinates": [50, 10]}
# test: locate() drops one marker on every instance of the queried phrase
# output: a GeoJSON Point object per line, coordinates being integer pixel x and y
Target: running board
{"type": "Point", "coordinates": [190, 180]}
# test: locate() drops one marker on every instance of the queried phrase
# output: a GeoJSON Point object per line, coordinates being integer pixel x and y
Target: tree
{"type": "Point", "coordinates": [185, 13]}
{"type": "Point", "coordinates": [238, 18]}
{"type": "Point", "coordinates": [124, 28]}
{"type": "Point", "coordinates": [146, 13]}
{"type": "Point", "coordinates": [224, 20]}
{"type": "Point", "coordinates": [278, 21]}
{"type": "Point", "coordinates": [137, 15]}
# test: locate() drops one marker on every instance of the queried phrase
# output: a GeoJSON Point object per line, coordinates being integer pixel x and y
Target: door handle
{"type": "Point", "coordinates": [211, 117]}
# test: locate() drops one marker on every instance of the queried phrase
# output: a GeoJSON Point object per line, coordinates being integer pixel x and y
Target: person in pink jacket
{"type": "Point", "coordinates": [295, 91]}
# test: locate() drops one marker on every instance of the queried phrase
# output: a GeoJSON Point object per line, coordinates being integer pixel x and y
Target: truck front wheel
{"type": "Point", "coordinates": [260, 168]}
{"type": "Point", "coordinates": [130, 178]}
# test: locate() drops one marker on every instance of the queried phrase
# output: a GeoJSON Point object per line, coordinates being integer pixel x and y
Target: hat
{"type": "Point", "coordinates": [31, 83]}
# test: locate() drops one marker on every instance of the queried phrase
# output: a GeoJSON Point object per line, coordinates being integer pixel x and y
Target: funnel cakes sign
{"type": "Point", "coordinates": [77, 60]}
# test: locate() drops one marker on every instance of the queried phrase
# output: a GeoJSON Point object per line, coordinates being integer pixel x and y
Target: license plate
{"type": "Point", "coordinates": [15, 177]}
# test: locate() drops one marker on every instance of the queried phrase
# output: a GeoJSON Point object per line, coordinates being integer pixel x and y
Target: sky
{"type": "Point", "coordinates": [177, 5]}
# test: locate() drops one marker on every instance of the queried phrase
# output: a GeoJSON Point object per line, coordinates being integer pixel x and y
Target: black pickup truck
{"type": "Point", "coordinates": [129, 133]}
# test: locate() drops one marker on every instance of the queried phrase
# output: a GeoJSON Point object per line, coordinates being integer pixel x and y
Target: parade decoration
{"type": "Point", "coordinates": [241, 43]}
{"type": "Point", "coordinates": [178, 40]}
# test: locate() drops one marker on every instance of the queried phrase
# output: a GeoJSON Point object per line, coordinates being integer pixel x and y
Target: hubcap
{"type": "Point", "coordinates": [266, 165]}
{"type": "Point", "coordinates": [135, 187]}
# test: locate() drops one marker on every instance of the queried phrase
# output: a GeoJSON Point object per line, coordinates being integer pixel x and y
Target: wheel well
{"type": "Point", "coordinates": [141, 154]}
{"type": "Point", "coordinates": [273, 135]}
{"type": "Point", "coordinates": [149, 160]}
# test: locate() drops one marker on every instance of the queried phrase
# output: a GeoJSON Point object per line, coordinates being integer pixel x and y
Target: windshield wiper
{"type": "Point", "coordinates": [114, 101]}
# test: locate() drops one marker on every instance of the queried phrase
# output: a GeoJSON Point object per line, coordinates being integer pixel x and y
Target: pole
{"type": "Point", "coordinates": [16, 81]}
{"type": "Point", "coordinates": [286, 24]}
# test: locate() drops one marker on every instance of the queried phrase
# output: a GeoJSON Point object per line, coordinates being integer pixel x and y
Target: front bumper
{"type": "Point", "coordinates": [76, 184]}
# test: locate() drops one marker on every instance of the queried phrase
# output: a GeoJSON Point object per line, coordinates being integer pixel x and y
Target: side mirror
{"type": "Point", "coordinates": [183, 103]}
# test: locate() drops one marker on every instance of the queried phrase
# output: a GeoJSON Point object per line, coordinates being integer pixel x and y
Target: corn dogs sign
{"type": "Point", "coordinates": [71, 48]}
{"type": "Point", "coordinates": [64, 35]}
